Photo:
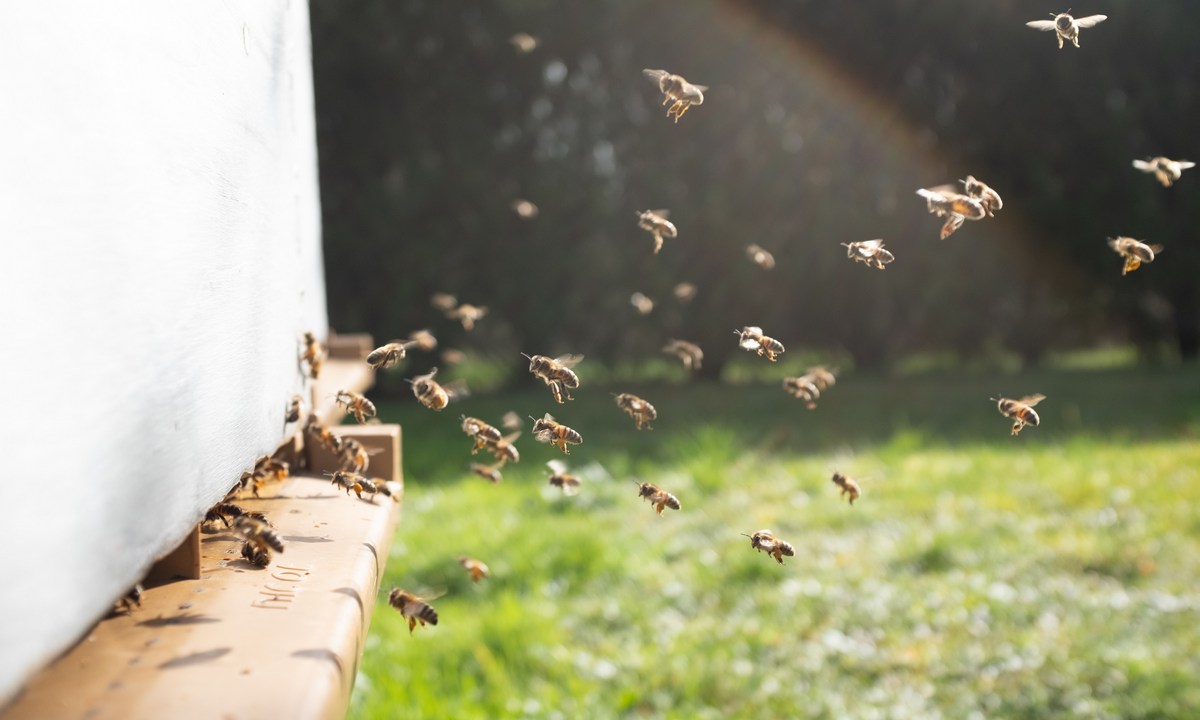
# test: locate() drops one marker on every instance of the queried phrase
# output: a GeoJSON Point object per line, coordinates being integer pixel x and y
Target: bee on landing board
{"type": "Point", "coordinates": [676, 88]}
{"type": "Point", "coordinates": [1167, 171]}
{"type": "Point", "coordinates": [658, 497]}
{"type": "Point", "coordinates": [1135, 252]}
{"type": "Point", "coordinates": [688, 353]}
{"type": "Point", "coordinates": [656, 223]}
{"type": "Point", "coordinates": [313, 355]}
{"type": "Point", "coordinates": [1021, 411]}
{"type": "Point", "coordinates": [752, 338]}
{"type": "Point", "coordinates": [414, 609]}
{"type": "Point", "coordinates": [556, 373]}
{"type": "Point", "coordinates": [846, 486]}
{"type": "Point", "coordinates": [355, 403]}
{"type": "Point", "coordinates": [641, 411]}
{"type": "Point", "coordinates": [130, 600]}
{"type": "Point", "coordinates": [764, 541]}
{"type": "Point", "coordinates": [260, 539]}
{"type": "Point", "coordinates": [548, 430]}
{"type": "Point", "coordinates": [760, 257]}
{"type": "Point", "coordinates": [347, 481]}
{"type": "Point", "coordinates": [1066, 27]}
{"type": "Point", "coordinates": [475, 568]}
{"type": "Point", "coordinates": [563, 480]}
{"type": "Point", "coordinates": [224, 511]}
{"type": "Point", "coordinates": [869, 252]}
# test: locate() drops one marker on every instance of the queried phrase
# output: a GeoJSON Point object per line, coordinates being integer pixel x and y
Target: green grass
{"type": "Point", "coordinates": [1053, 574]}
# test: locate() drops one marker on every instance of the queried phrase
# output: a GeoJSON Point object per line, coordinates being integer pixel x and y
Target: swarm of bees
{"type": "Point", "coordinates": [1066, 27]}
{"type": "Point", "coordinates": [549, 430]}
{"type": "Point", "coordinates": [765, 541]}
{"type": "Point", "coordinates": [869, 252]}
{"type": "Point", "coordinates": [414, 609]}
{"type": "Point", "coordinates": [1134, 252]}
{"type": "Point", "coordinates": [656, 223]}
{"type": "Point", "coordinates": [752, 338]}
{"type": "Point", "coordinates": [688, 353]}
{"type": "Point", "coordinates": [658, 497]}
{"type": "Point", "coordinates": [641, 411]}
{"type": "Point", "coordinates": [556, 373]}
{"type": "Point", "coordinates": [846, 486]}
{"type": "Point", "coordinates": [677, 91]}
{"type": "Point", "coordinates": [1020, 411]}
{"type": "Point", "coordinates": [1165, 170]}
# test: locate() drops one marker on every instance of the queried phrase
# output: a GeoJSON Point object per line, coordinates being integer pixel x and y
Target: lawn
{"type": "Point", "coordinates": [979, 575]}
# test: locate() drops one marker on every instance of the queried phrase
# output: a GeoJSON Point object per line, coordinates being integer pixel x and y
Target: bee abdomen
{"type": "Point", "coordinates": [672, 502]}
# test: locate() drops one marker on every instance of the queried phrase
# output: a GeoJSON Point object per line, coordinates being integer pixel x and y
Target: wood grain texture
{"type": "Point", "coordinates": [159, 258]}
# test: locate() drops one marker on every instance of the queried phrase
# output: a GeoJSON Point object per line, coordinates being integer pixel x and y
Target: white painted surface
{"type": "Point", "coordinates": [159, 257]}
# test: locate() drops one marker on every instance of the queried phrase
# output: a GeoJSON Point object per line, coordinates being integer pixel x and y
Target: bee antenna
{"type": "Point", "coordinates": [994, 399]}
{"type": "Point", "coordinates": [745, 535]}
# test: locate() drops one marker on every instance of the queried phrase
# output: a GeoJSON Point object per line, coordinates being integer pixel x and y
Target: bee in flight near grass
{"type": "Point", "coordinates": [658, 497]}
{"type": "Point", "coordinates": [641, 411]}
{"type": "Point", "coordinates": [480, 432]}
{"type": "Point", "coordinates": [390, 354]}
{"type": "Point", "coordinates": [548, 430]}
{"type": "Point", "coordinates": [563, 480]}
{"type": "Point", "coordinates": [491, 473]}
{"type": "Point", "coordinates": [1066, 27]}
{"type": "Point", "coordinates": [1167, 171]}
{"type": "Point", "coordinates": [556, 373]}
{"type": "Point", "coordinates": [688, 353]}
{"type": "Point", "coordinates": [752, 338]}
{"type": "Point", "coordinates": [869, 252]}
{"type": "Point", "coordinates": [355, 403]}
{"type": "Point", "coordinates": [656, 223]}
{"type": "Point", "coordinates": [846, 486]}
{"type": "Point", "coordinates": [433, 395]}
{"type": "Point", "coordinates": [475, 568]}
{"type": "Point", "coordinates": [414, 609]}
{"type": "Point", "coordinates": [1135, 252]}
{"type": "Point", "coordinates": [765, 541]}
{"type": "Point", "coordinates": [1020, 411]}
{"type": "Point", "coordinates": [676, 88]}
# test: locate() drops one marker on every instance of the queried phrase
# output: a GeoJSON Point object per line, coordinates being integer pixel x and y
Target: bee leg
{"type": "Point", "coordinates": [412, 623]}
{"type": "Point", "coordinates": [666, 99]}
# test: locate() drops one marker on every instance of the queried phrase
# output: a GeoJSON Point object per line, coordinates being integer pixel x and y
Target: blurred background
{"type": "Point", "coordinates": [820, 122]}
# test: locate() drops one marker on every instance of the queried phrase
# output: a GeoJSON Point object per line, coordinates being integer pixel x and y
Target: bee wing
{"type": "Point", "coordinates": [655, 75]}
{"type": "Point", "coordinates": [1156, 248]}
{"type": "Point", "coordinates": [701, 88]}
{"type": "Point", "coordinates": [948, 190]}
{"type": "Point", "coordinates": [511, 437]}
{"type": "Point", "coordinates": [1090, 20]}
{"type": "Point", "coordinates": [1044, 25]}
{"type": "Point", "coordinates": [457, 389]}
{"type": "Point", "coordinates": [1032, 400]}
{"type": "Point", "coordinates": [510, 421]}
{"type": "Point", "coordinates": [1144, 166]}
{"type": "Point", "coordinates": [568, 360]}
{"type": "Point", "coordinates": [1185, 164]}
{"type": "Point", "coordinates": [871, 244]}
{"type": "Point", "coordinates": [663, 213]}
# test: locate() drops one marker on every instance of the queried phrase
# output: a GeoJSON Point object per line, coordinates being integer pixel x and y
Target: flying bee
{"type": "Point", "coordinates": [259, 536]}
{"type": "Point", "coordinates": [1066, 27]}
{"type": "Point", "coordinates": [684, 292]}
{"type": "Point", "coordinates": [503, 449]}
{"type": "Point", "coordinates": [451, 356]}
{"type": "Point", "coordinates": [658, 497]}
{"type": "Point", "coordinates": [511, 421]}
{"type": "Point", "coordinates": [944, 202]}
{"type": "Point", "coordinates": [523, 43]}
{"type": "Point", "coordinates": [223, 511]}
{"type": "Point", "coordinates": [556, 373]}
{"type": "Point", "coordinates": [641, 411]}
{"type": "Point", "coordinates": [803, 388]}
{"type": "Point", "coordinates": [752, 338]}
{"type": "Point", "coordinates": [641, 303]}
{"type": "Point", "coordinates": [313, 354]}
{"type": "Point", "coordinates": [443, 301]}
{"type": "Point", "coordinates": [760, 257]}
{"type": "Point", "coordinates": [846, 486]}
{"type": "Point", "coordinates": [357, 404]}
{"type": "Point", "coordinates": [1166, 170]}
{"type": "Point", "coordinates": [548, 430]}
{"type": "Point", "coordinates": [561, 479]}
{"type": "Point", "coordinates": [989, 198]}
{"type": "Point", "coordinates": [388, 355]}
{"type": "Point", "coordinates": [413, 608]}
{"type": "Point", "coordinates": [423, 340]}
{"type": "Point", "coordinates": [355, 456]}
{"type": "Point", "coordinates": [386, 489]}
{"type": "Point", "coordinates": [347, 481]}
{"type": "Point", "coordinates": [428, 392]}
{"type": "Point", "coordinates": [524, 209]}
{"type": "Point", "coordinates": [1135, 252]}
{"type": "Point", "coordinates": [821, 376]}
{"type": "Point", "coordinates": [675, 88]}
{"type": "Point", "coordinates": [688, 353]}
{"type": "Point", "coordinates": [475, 568]}
{"type": "Point", "coordinates": [869, 252]}
{"type": "Point", "coordinates": [765, 541]}
{"type": "Point", "coordinates": [468, 315]}
{"type": "Point", "coordinates": [656, 223]}
{"type": "Point", "coordinates": [320, 433]}
{"type": "Point", "coordinates": [491, 473]}
{"type": "Point", "coordinates": [127, 602]}
{"type": "Point", "coordinates": [480, 432]}
{"type": "Point", "coordinates": [294, 410]}
{"type": "Point", "coordinates": [373, 487]}
{"type": "Point", "coordinates": [1021, 411]}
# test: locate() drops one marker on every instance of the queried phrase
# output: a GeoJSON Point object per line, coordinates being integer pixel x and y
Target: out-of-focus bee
{"type": "Point", "coordinates": [451, 356]}
{"type": "Point", "coordinates": [641, 411]}
{"type": "Point", "coordinates": [556, 373]}
{"type": "Point", "coordinates": [943, 201]}
{"type": "Point", "coordinates": [443, 301]}
{"type": "Point", "coordinates": [1135, 252]}
{"type": "Point", "coordinates": [803, 388]}
{"type": "Point", "coordinates": [764, 541]}
{"type": "Point", "coordinates": [688, 353]}
{"type": "Point", "coordinates": [656, 223]}
{"type": "Point", "coordinates": [423, 340]}
{"type": "Point", "coordinates": [260, 539]}
{"type": "Point", "coordinates": [1066, 27]}
{"type": "Point", "coordinates": [1166, 170]}
{"type": "Point", "coordinates": [561, 479]}
{"type": "Point", "coordinates": [989, 198]}
{"type": "Point", "coordinates": [752, 338]}
{"type": "Point", "coordinates": [468, 315]}
{"type": "Point", "coordinates": [822, 376]}
{"type": "Point", "coordinates": [294, 410]}
{"type": "Point", "coordinates": [491, 473]}
{"type": "Point", "coordinates": [641, 303]}
{"type": "Point", "coordinates": [355, 456]}
{"type": "Point", "coordinates": [658, 497]}
{"type": "Point", "coordinates": [271, 468]}
{"type": "Point", "coordinates": [127, 602]}
{"type": "Point", "coordinates": [869, 252]}
{"type": "Point", "coordinates": [475, 568]}
{"type": "Point", "coordinates": [413, 608]}
{"type": "Point", "coordinates": [480, 432]}
{"type": "Point", "coordinates": [317, 431]}
{"type": "Point", "coordinates": [524, 209]}
{"type": "Point", "coordinates": [357, 404]}
{"type": "Point", "coordinates": [523, 43]}
{"type": "Point", "coordinates": [503, 449]}
{"type": "Point", "coordinates": [684, 292]}
{"type": "Point", "coordinates": [313, 354]}
{"type": "Point", "coordinates": [760, 257]}
{"type": "Point", "coordinates": [548, 430]}
{"type": "Point", "coordinates": [675, 88]}
{"type": "Point", "coordinates": [428, 392]}
{"type": "Point", "coordinates": [1021, 411]}
{"type": "Point", "coordinates": [224, 511]}
{"type": "Point", "coordinates": [511, 421]}
{"type": "Point", "coordinates": [388, 355]}
{"type": "Point", "coordinates": [846, 486]}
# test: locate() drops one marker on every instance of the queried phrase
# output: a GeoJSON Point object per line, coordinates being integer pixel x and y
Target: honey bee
{"type": "Point", "coordinates": [869, 252]}
{"type": "Point", "coordinates": [684, 292]}
{"type": "Point", "coordinates": [428, 392]}
{"type": "Point", "coordinates": [491, 473]}
{"type": "Point", "coordinates": [1066, 27]}
{"type": "Point", "coordinates": [1021, 411]}
{"type": "Point", "coordinates": [443, 301]}
{"type": "Point", "coordinates": [357, 404]}
{"type": "Point", "coordinates": [355, 456]}
{"type": "Point", "coordinates": [563, 480]}
{"type": "Point", "coordinates": [388, 355]}
{"type": "Point", "coordinates": [656, 223]}
{"type": "Point", "coordinates": [348, 481]}
{"type": "Point", "coordinates": [944, 202]}
{"type": "Point", "coordinates": [503, 449]}
{"type": "Point", "coordinates": [846, 486]}
{"type": "Point", "coordinates": [260, 539]}
{"type": "Point", "coordinates": [271, 468]}
{"type": "Point", "coordinates": [548, 430]}
{"type": "Point", "coordinates": [989, 198]}
{"type": "Point", "coordinates": [373, 487]}
{"type": "Point", "coordinates": [641, 303]}
{"type": "Point", "coordinates": [475, 568]}
{"type": "Point", "coordinates": [1135, 252]}
{"type": "Point", "coordinates": [556, 373]}
{"type": "Point", "coordinates": [294, 410]}
{"type": "Point", "coordinates": [524, 209]}
{"type": "Point", "coordinates": [127, 602]}
{"type": "Point", "coordinates": [511, 421]}
{"type": "Point", "coordinates": [451, 356]}
{"type": "Point", "coordinates": [764, 541]}
{"type": "Point", "coordinates": [423, 340]}
{"type": "Point", "coordinates": [822, 376]}
{"type": "Point", "coordinates": [658, 497]}
{"type": "Point", "coordinates": [223, 511]}
{"type": "Point", "coordinates": [320, 433]}
{"type": "Point", "coordinates": [413, 608]}
{"type": "Point", "coordinates": [468, 315]}
{"type": "Point", "coordinates": [1166, 170]}
{"type": "Point", "coordinates": [688, 353]}
{"type": "Point", "coordinates": [760, 257]}
{"type": "Point", "coordinates": [523, 43]}
{"type": "Point", "coordinates": [752, 338]}
{"type": "Point", "coordinates": [803, 388]}
{"type": "Point", "coordinates": [480, 432]}
{"type": "Point", "coordinates": [675, 88]}
{"type": "Point", "coordinates": [641, 411]}
{"type": "Point", "coordinates": [313, 354]}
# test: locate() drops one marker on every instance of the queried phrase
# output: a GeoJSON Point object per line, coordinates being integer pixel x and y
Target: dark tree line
{"type": "Point", "coordinates": [821, 120]}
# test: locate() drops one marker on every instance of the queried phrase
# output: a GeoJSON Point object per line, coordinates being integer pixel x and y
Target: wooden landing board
{"type": "Point", "coordinates": [242, 641]}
